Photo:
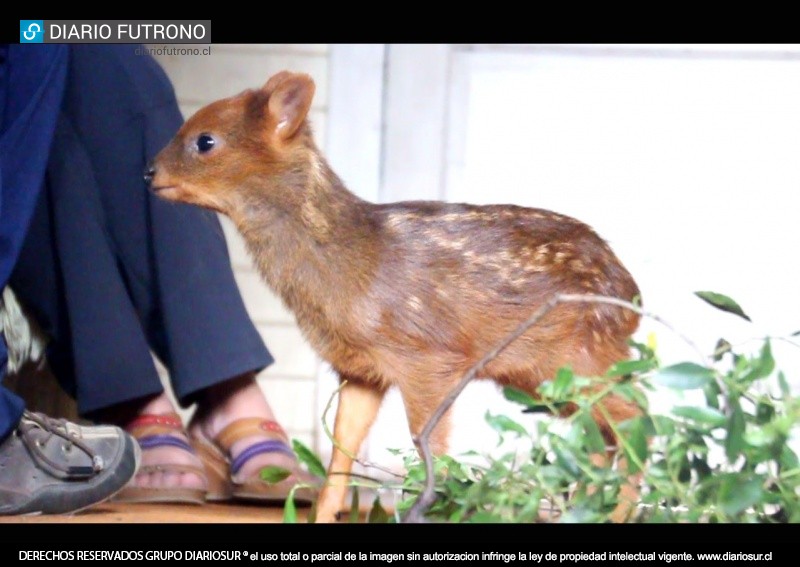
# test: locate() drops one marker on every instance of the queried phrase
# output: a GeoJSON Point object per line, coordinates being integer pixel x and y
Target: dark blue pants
{"type": "Point", "coordinates": [111, 271]}
{"type": "Point", "coordinates": [31, 86]}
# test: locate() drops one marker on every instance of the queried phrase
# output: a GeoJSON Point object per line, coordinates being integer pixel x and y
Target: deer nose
{"type": "Point", "coordinates": [149, 173]}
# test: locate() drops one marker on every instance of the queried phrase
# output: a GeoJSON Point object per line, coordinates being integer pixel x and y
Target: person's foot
{"type": "Point", "coordinates": [237, 434]}
{"type": "Point", "coordinates": [170, 470]}
{"type": "Point", "coordinates": [230, 402]}
{"type": "Point", "coordinates": [54, 466]}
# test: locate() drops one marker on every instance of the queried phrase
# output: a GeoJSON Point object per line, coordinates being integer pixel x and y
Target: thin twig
{"type": "Point", "coordinates": [785, 340]}
{"type": "Point", "coordinates": [762, 339]}
{"type": "Point", "coordinates": [378, 482]}
{"type": "Point", "coordinates": [422, 441]}
{"type": "Point", "coordinates": [579, 298]}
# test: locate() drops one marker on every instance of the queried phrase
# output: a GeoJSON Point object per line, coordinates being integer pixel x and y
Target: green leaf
{"type": "Point", "coordinates": [484, 517]}
{"type": "Point", "coordinates": [289, 509]}
{"type": "Point", "coordinates": [711, 391]}
{"type": "Point", "coordinates": [788, 460]}
{"type": "Point", "coordinates": [764, 412]}
{"type": "Point", "coordinates": [734, 442]}
{"type": "Point", "coordinates": [530, 511]}
{"type": "Point", "coordinates": [658, 425]}
{"type": "Point", "coordinates": [632, 393]}
{"type": "Point", "coordinates": [707, 416]}
{"type": "Point", "coordinates": [544, 408]}
{"type": "Point", "coordinates": [737, 494]}
{"type": "Point", "coordinates": [646, 351]}
{"type": "Point", "coordinates": [566, 460]}
{"type": "Point", "coordinates": [701, 466]}
{"type": "Point", "coordinates": [758, 367]}
{"type": "Point", "coordinates": [377, 514]}
{"type": "Point", "coordinates": [273, 474]}
{"type": "Point", "coordinates": [514, 395]}
{"type": "Point", "coordinates": [658, 470]}
{"type": "Point", "coordinates": [309, 458]}
{"type": "Point", "coordinates": [594, 439]}
{"type": "Point", "coordinates": [785, 390]}
{"type": "Point", "coordinates": [722, 302]}
{"type": "Point", "coordinates": [684, 469]}
{"type": "Point", "coordinates": [759, 437]}
{"type": "Point", "coordinates": [355, 507]}
{"type": "Point", "coordinates": [684, 376]}
{"type": "Point", "coordinates": [636, 445]}
{"type": "Point", "coordinates": [766, 362]}
{"type": "Point", "coordinates": [631, 367]}
{"type": "Point", "coordinates": [564, 382]}
{"type": "Point", "coordinates": [503, 424]}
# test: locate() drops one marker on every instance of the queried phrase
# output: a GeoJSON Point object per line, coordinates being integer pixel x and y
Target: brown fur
{"type": "Point", "coordinates": [404, 294]}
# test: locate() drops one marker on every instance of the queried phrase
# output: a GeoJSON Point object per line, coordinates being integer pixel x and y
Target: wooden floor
{"type": "Point", "coordinates": [164, 513]}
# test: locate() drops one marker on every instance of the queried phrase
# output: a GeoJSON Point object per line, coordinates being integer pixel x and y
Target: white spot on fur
{"type": "Point", "coordinates": [414, 303]}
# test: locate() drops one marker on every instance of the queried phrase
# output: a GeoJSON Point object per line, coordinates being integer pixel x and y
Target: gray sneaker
{"type": "Point", "coordinates": [53, 466]}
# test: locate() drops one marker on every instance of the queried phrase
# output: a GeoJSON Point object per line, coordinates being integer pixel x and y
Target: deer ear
{"type": "Point", "coordinates": [290, 96]}
{"type": "Point", "coordinates": [274, 81]}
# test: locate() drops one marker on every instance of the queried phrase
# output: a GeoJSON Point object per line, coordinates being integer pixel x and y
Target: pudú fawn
{"type": "Point", "coordinates": [405, 294]}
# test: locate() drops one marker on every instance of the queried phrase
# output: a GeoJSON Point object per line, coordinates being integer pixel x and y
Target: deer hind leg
{"type": "Point", "coordinates": [358, 406]}
{"type": "Point", "coordinates": [614, 410]}
{"type": "Point", "coordinates": [421, 398]}
{"type": "Point", "coordinates": [608, 413]}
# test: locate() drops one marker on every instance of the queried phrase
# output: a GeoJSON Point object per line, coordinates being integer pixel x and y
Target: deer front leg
{"type": "Point", "coordinates": [358, 406]}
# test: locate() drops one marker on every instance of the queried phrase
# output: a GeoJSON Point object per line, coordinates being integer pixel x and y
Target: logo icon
{"type": "Point", "coordinates": [31, 31]}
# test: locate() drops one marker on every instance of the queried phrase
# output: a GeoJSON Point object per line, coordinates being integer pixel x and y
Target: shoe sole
{"type": "Point", "coordinates": [66, 499]}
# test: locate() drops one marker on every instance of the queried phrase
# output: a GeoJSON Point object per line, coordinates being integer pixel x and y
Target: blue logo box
{"type": "Point", "coordinates": [31, 31]}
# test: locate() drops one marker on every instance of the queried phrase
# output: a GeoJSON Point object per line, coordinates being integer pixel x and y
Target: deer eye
{"type": "Point", "coordinates": [205, 143]}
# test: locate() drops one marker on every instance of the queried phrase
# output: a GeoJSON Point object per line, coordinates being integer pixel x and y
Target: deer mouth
{"type": "Point", "coordinates": [166, 191]}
